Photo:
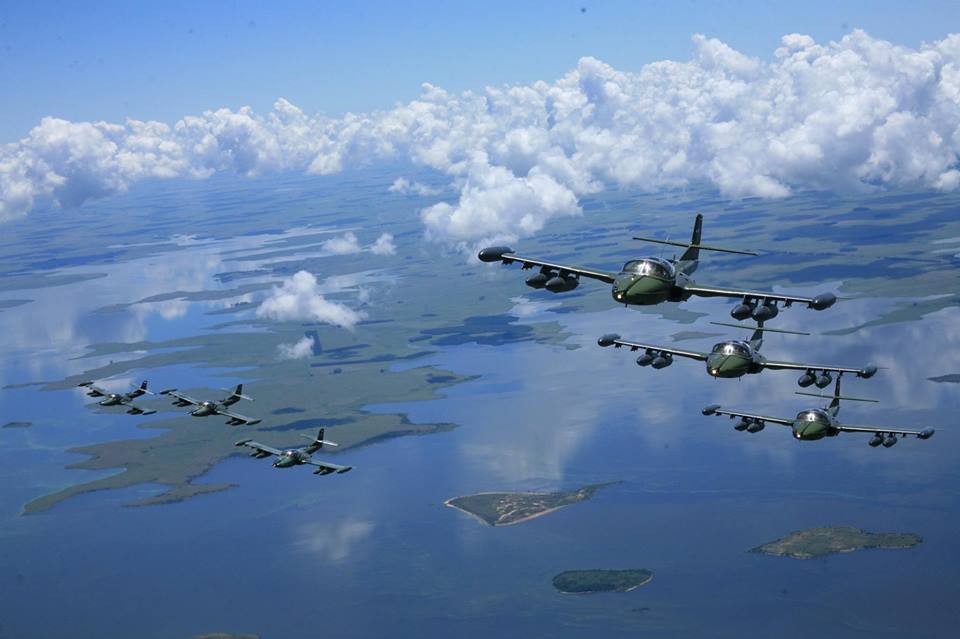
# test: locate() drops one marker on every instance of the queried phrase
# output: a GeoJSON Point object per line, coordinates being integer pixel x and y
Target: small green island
{"type": "Point", "coordinates": [819, 542]}
{"type": "Point", "coordinates": [505, 509]}
{"type": "Point", "coordinates": [17, 425]}
{"type": "Point", "coordinates": [585, 581]}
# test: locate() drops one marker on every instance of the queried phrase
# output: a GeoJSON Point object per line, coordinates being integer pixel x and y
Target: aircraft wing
{"type": "Point", "coordinates": [236, 418]}
{"type": "Point", "coordinates": [819, 302]}
{"type": "Point", "coordinates": [257, 446]}
{"type": "Point", "coordinates": [615, 341]}
{"type": "Point", "coordinates": [182, 397]}
{"type": "Point", "coordinates": [325, 468]}
{"type": "Point", "coordinates": [866, 372]}
{"type": "Point", "coordinates": [133, 409]}
{"type": "Point", "coordinates": [507, 256]}
{"type": "Point", "coordinates": [94, 390]}
{"type": "Point", "coordinates": [716, 410]}
{"type": "Point", "coordinates": [926, 433]}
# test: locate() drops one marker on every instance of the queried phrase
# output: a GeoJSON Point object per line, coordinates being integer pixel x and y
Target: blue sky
{"type": "Point", "coordinates": [112, 60]}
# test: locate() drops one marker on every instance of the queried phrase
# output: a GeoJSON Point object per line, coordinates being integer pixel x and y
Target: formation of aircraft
{"type": "Point", "coordinates": [119, 399]}
{"type": "Point", "coordinates": [817, 423]}
{"type": "Point", "coordinates": [653, 280]}
{"type": "Point", "coordinates": [205, 408]}
{"type": "Point", "coordinates": [285, 458]}
{"type": "Point", "coordinates": [736, 358]}
{"type": "Point", "coordinates": [289, 457]}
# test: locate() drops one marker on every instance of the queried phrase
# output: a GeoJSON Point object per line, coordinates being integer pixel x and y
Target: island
{"type": "Point", "coordinates": [585, 581]}
{"type": "Point", "coordinates": [505, 509]}
{"type": "Point", "coordinates": [17, 425]}
{"type": "Point", "coordinates": [819, 542]}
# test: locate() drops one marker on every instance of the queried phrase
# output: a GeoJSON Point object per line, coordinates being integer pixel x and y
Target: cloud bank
{"type": "Point", "coordinates": [299, 298]}
{"type": "Point", "coordinates": [855, 114]}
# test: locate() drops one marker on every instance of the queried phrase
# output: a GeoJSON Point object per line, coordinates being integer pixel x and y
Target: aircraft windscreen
{"type": "Point", "coordinates": [731, 348]}
{"type": "Point", "coordinates": [654, 267]}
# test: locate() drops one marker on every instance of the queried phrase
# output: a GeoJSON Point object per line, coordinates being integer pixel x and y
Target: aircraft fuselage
{"type": "Point", "coordinates": [289, 458]}
{"type": "Point", "coordinates": [204, 409]}
{"type": "Point", "coordinates": [814, 424]}
{"type": "Point", "coordinates": [649, 281]}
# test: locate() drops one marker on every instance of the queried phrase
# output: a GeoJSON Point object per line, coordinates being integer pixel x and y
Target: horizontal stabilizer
{"type": "Point", "coordinates": [832, 397]}
{"type": "Point", "coordinates": [702, 247]}
{"type": "Point", "coordinates": [760, 328]}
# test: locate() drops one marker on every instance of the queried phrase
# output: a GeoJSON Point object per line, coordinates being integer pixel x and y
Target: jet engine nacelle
{"type": "Point", "coordinates": [608, 339]}
{"type": "Point", "coordinates": [755, 427]}
{"type": "Point", "coordinates": [646, 359]}
{"type": "Point", "coordinates": [868, 371]}
{"type": "Point", "coordinates": [889, 441]}
{"type": "Point", "coordinates": [742, 311]}
{"type": "Point", "coordinates": [822, 301]}
{"type": "Point", "coordinates": [493, 253]}
{"type": "Point", "coordinates": [824, 380]}
{"type": "Point", "coordinates": [537, 281]}
{"type": "Point", "coordinates": [743, 424]}
{"type": "Point", "coordinates": [806, 379]}
{"type": "Point", "coordinates": [562, 284]}
{"type": "Point", "coordinates": [662, 360]}
{"type": "Point", "coordinates": [876, 440]}
{"type": "Point", "coordinates": [765, 311]}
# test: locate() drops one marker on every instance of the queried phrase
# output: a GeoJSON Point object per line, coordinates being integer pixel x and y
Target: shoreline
{"type": "Point", "coordinates": [448, 504]}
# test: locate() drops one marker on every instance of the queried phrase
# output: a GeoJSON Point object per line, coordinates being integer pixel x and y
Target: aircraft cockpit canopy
{"type": "Point", "coordinates": [650, 266]}
{"type": "Point", "coordinates": [732, 348]}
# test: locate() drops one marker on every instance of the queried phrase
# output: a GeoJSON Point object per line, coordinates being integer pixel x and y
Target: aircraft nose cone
{"type": "Point", "coordinates": [620, 287]}
{"type": "Point", "coordinates": [714, 364]}
{"type": "Point", "coordinates": [798, 428]}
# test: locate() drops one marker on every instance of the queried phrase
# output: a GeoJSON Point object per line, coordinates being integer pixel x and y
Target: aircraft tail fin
{"type": "Point", "coordinates": [237, 394]}
{"type": "Point", "coordinates": [693, 248]}
{"type": "Point", "coordinates": [759, 328]}
{"type": "Point", "coordinates": [693, 251]}
{"type": "Point", "coordinates": [319, 442]}
{"type": "Point", "coordinates": [143, 388]}
{"type": "Point", "coordinates": [834, 405]}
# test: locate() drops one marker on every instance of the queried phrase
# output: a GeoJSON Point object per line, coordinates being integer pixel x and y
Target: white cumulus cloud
{"type": "Point", "coordinates": [298, 350]}
{"type": "Point", "coordinates": [345, 244]}
{"type": "Point", "coordinates": [859, 113]}
{"type": "Point", "coordinates": [403, 186]}
{"type": "Point", "coordinates": [383, 245]}
{"type": "Point", "coordinates": [299, 298]}
{"type": "Point", "coordinates": [348, 244]}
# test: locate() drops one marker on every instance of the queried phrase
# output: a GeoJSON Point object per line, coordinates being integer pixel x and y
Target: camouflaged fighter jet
{"type": "Point", "coordinates": [736, 358]}
{"type": "Point", "coordinates": [296, 456]}
{"type": "Point", "coordinates": [205, 408]}
{"type": "Point", "coordinates": [652, 280]}
{"type": "Point", "coordinates": [119, 399]}
{"type": "Point", "coordinates": [817, 423]}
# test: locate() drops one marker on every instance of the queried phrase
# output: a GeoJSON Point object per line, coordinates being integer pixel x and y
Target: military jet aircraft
{"type": "Point", "coordinates": [296, 456]}
{"type": "Point", "coordinates": [817, 423]}
{"type": "Point", "coordinates": [736, 358]}
{"type": "Point", "coordinates": [204, 408]}
{"type": "Point", "coordinates": [118, 399]}
{"type": "Point", "coordinates": [652, 280]}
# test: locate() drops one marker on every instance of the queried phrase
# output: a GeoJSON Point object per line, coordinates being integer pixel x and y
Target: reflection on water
{"type": "Point", "coordinates": [375, 552]}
